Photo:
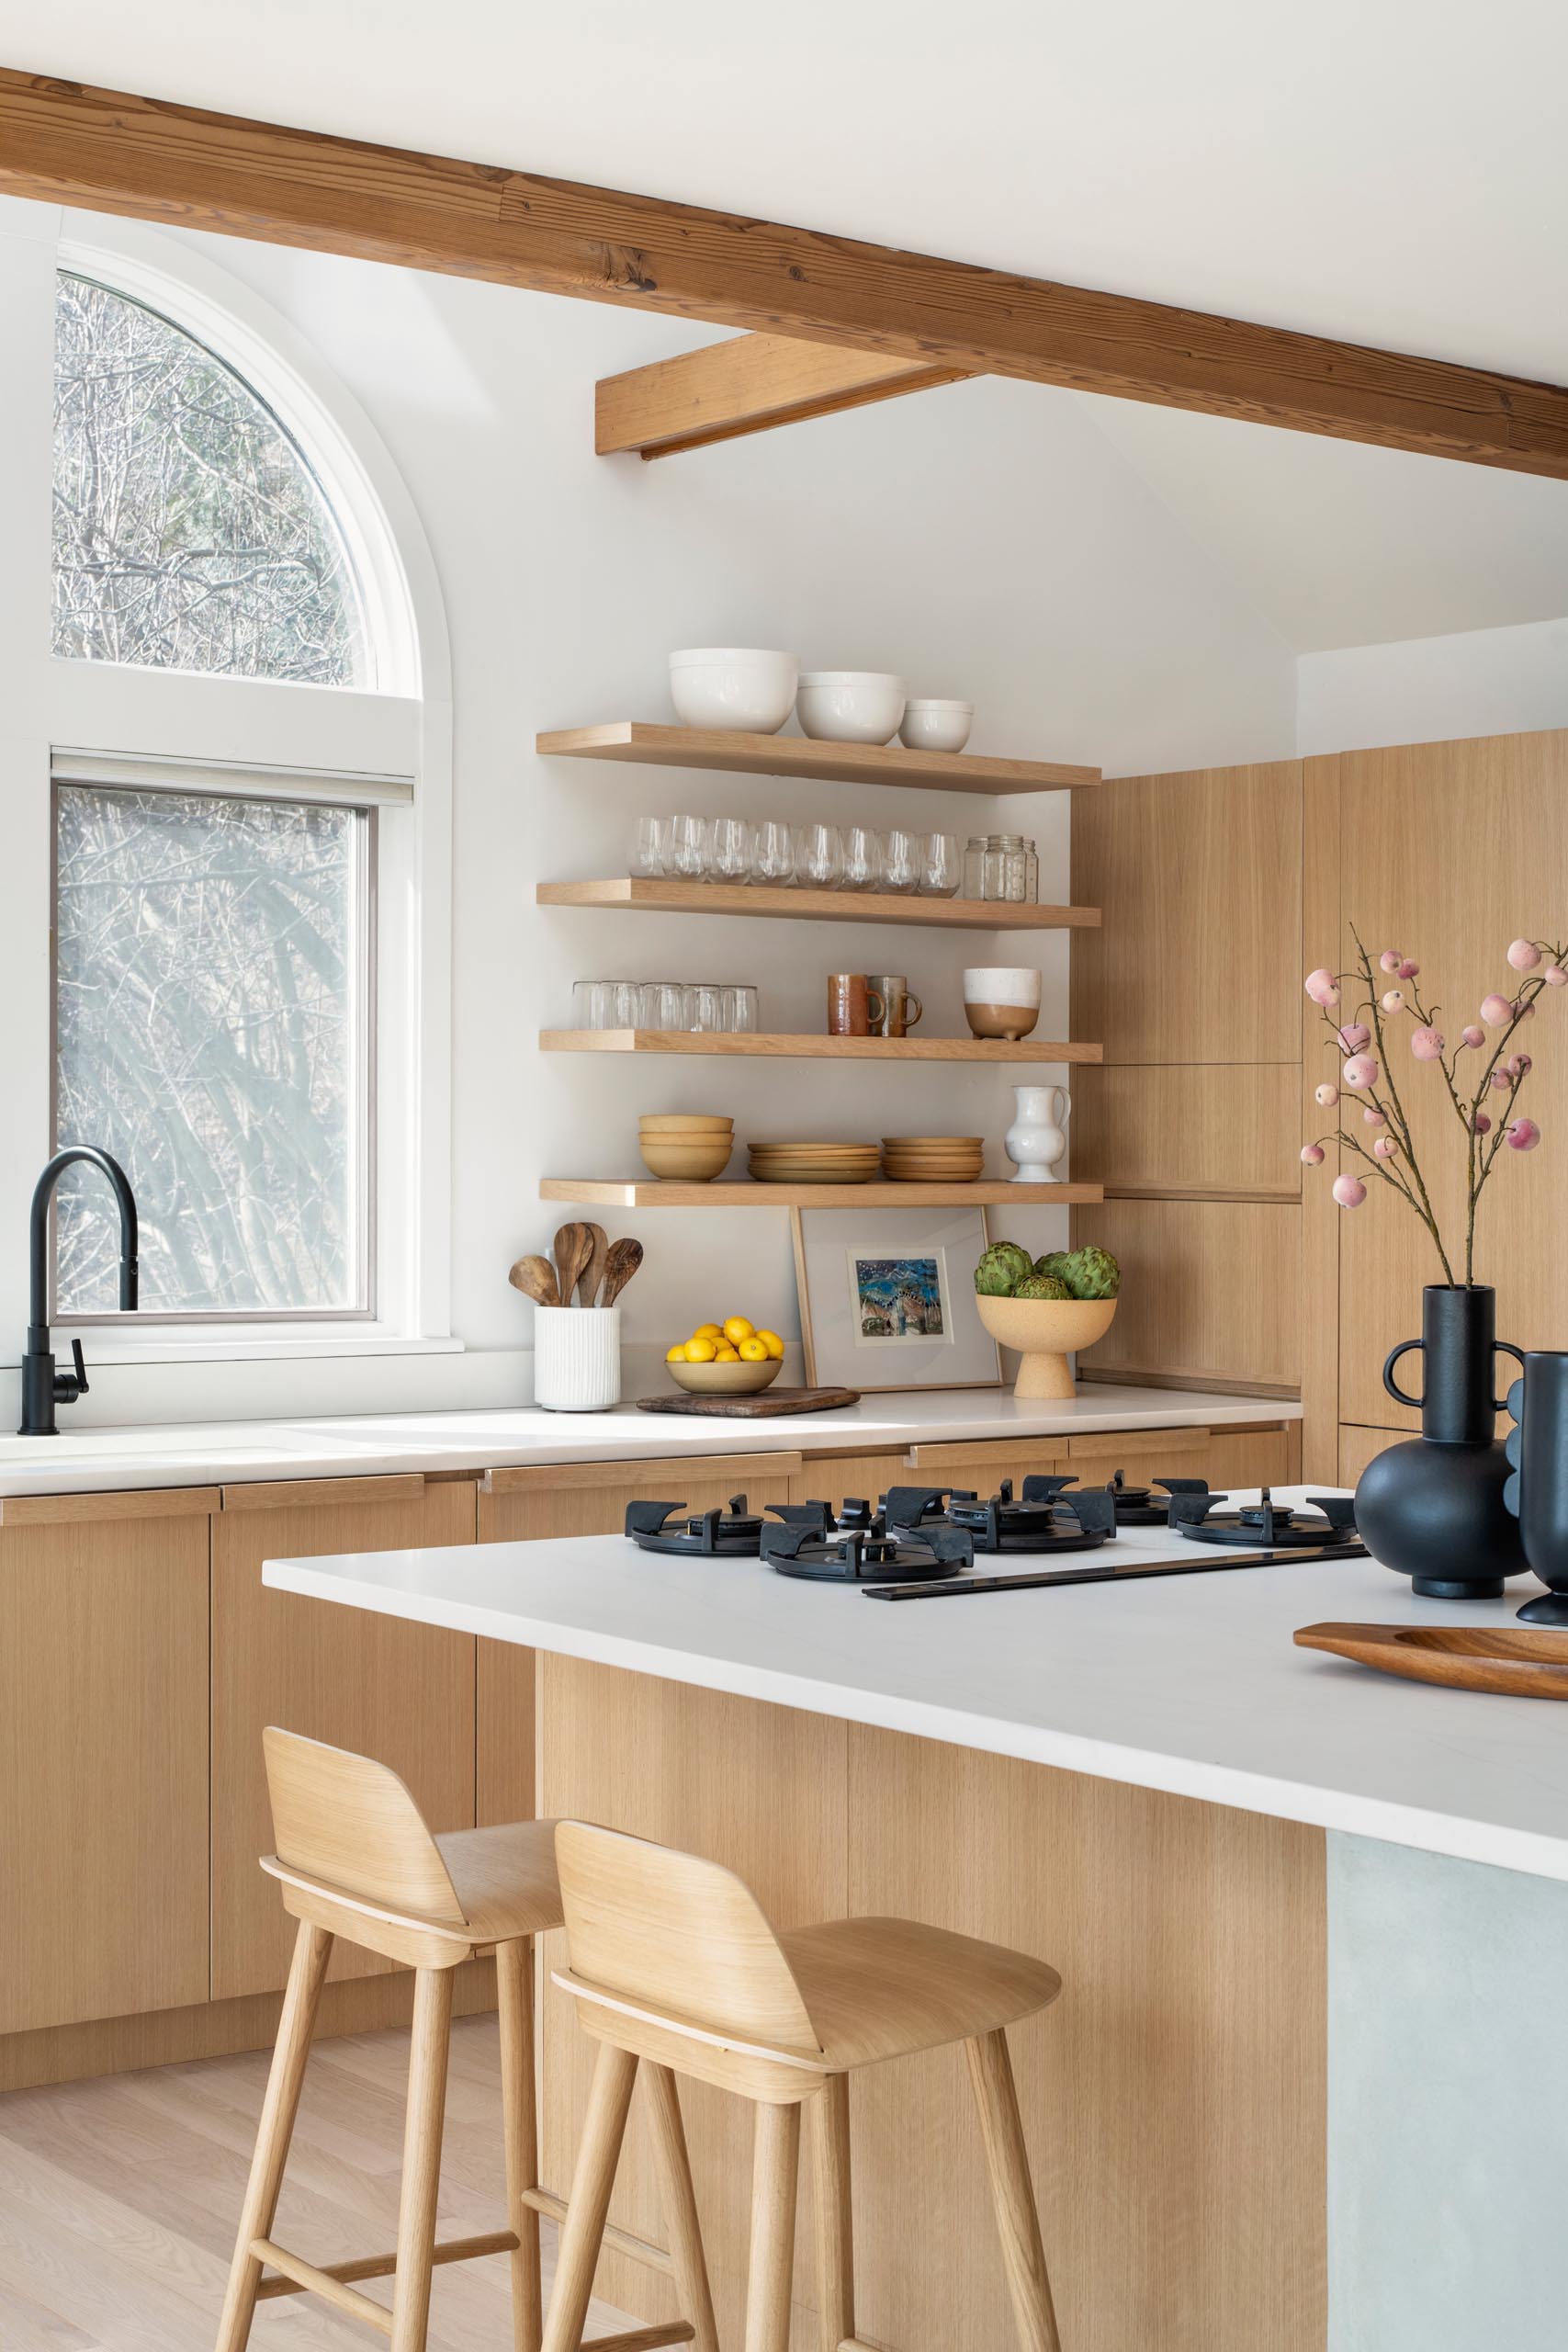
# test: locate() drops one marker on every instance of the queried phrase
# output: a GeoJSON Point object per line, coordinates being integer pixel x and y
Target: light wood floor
{"type": "Point", "coordinates": [119, 2199]}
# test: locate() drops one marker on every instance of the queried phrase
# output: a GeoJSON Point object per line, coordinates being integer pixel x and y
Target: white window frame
{"type": "Point", "coordinates": [386, 743]}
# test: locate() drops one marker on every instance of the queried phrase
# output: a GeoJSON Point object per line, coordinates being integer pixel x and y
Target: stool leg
{"type": "Point", "coordinates": [422, 2157]}
{"type": "Point", "coordinates": [515, 1982]}
{"type": "Point", "coordinates": [680, 2204]}
{"type": "Point", "coordinates": [830, 2114]}
{"type": "Point", "coordinates": [1012, 2192]}
{"type": "Point", "coordinates": [313, 1949]}
{"type": "Point", "coordinates": [776, 2172]}
{"type": "Point", "coordinates": [584, 2229]}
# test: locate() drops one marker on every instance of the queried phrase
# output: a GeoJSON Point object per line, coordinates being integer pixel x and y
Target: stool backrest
{"type": "Point", "coordinates": [673, 1932]}
{"type": "Point", "coordinates": [348, 1820]}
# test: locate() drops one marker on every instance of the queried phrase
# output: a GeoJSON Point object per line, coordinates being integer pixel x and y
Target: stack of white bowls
{"type": "Point", "coordinates": [753, 690]}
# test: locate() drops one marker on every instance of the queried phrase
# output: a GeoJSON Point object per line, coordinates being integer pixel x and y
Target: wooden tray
{"type": "Point", "coordinates": [1510, 1661]}
{"type": "Point", "coordinates": [763, 1408]}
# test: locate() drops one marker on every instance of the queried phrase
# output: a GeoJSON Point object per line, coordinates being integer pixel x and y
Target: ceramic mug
{"type": "Point", "coordinates": [853, 1005]}
{"type": "Point", "coordinates": [900, 1007]}
{"type": "Point", "coordinates": [1001, 1000]}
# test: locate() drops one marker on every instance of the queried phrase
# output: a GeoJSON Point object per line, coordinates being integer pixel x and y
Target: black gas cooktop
{"type": "Point", "coordinates": [1277, 1527]}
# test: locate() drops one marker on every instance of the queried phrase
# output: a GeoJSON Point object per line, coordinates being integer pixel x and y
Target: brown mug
{"type": "Point", "coordinates": [900, 1007]}
{"type": "Point", "coordinates": [853, 1005]}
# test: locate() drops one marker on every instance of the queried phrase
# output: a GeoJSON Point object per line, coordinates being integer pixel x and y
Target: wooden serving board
{"type": "Point", "coordinates": [772, 1403]}
{"type": "Point", "coordinates": [1512, 1661]}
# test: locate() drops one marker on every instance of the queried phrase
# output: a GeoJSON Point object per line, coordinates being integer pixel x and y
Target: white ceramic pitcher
{"type": "Point", "coordinates": [1037, 1137]}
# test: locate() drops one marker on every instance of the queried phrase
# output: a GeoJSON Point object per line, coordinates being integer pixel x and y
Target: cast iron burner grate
{"type": "Point", "coordinates": [1277, 1527]}
{"type": "Point", "coordinates": [1142, 1506]}
{"type": "Point", "coordinates": [1043, 1518]}
{"type": "Point", "coordinates": [860, 1546]}
{"type": "Point", "coordinates": [730, 1533]}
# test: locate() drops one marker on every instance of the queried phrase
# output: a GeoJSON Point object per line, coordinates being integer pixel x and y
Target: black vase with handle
{"type": "Point", "coordinates": [1538, 1491]}
{"type": "Point", "coordinates": [1433, 1508]}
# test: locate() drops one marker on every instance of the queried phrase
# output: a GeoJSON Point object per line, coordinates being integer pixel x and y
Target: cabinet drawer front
{"type": "Point", "coordinates": [640, 1477]}
{"type": "Point", "coordinates": [1011, 1457]}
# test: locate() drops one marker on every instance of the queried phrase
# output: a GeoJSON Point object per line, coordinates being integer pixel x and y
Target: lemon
{"type": "Point", "coordinates": [753, 1351]}
{"type": "Point", "coordinates": [772, 1343]}
{"type": "Point", "coordinates": [677, 1354]}
{"type": "Point", "coordinates": [699, 1350]}
{"type": "Point", "coordinates": [729, 1355]}
{"type": "Point", "coordinates": [707, 1331]}
{"type": "Point", "coordinates": [737, 1330]}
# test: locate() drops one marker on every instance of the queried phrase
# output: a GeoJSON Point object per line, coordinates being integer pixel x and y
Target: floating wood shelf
{"type": "Point", "coordinates": [802, 755]}
{"type": "Point", "coordinates": [651, 1192]}
{"type": "Point", "coordinates": [812, 1047]}
{"type": "Point", "coordinates": [668, 897]}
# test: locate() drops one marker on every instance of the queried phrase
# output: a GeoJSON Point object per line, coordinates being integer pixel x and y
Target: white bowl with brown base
{"type": "Point", "coordinates": [1046, 1332]}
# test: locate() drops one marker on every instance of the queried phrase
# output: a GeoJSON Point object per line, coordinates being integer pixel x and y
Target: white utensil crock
{"type": "Point", "coordinates": [1036, 1139]}
{"type": "Point", "coordinates": [577, 1359]}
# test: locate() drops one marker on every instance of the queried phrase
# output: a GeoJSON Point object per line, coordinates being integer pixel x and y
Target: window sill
{"type": "Point", "coordinates": [104, 1344]}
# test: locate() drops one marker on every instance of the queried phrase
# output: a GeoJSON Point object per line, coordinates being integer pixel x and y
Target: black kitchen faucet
{"type": "Point", "coordinates": [43, 1388]}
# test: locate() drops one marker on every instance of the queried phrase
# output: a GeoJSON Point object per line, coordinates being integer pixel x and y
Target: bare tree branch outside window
{"type": "Point", "coordinates": [209, 979]}
{"type": "Point", "coordinates": [190, 533]}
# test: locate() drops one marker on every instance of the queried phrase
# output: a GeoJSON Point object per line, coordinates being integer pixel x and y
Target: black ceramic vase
{"type": "Point", "coordinates": [1538, 1489]}
{"type": "Point", "coordinates": [1433, 1508]}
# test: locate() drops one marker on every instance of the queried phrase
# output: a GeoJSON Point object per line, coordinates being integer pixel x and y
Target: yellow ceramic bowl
{"type": "Point", "coordinates": [724, 1379]}
{"type": "Point", "coordinates": [697, 1161]}
{"type": "Point", "coordinates": [1044, 1330]}
{"type": "Point", "coordinates": [679, 1123]}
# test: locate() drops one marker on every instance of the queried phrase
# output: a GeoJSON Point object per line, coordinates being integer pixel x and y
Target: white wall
{"type": "Point", "coordinates": [1434, 689]}
{"type": "Point", "coordinates": [984, 539]}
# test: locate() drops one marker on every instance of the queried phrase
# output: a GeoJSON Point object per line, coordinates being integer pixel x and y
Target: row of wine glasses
{"type": "Point", "coordinates": [809, 857]}
{"type": "Point", "coordinates": [722, 1008]}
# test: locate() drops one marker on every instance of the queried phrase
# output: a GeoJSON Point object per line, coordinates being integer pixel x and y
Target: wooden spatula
{"type": "Point", "coordinates": [593, 1273]}
{"type": "Point", "coordinates": [574, 1247]}
{"type": "Point", "coordinates": [535, 1278]}
{"type": "Point", "coordinates": [623, 1259]}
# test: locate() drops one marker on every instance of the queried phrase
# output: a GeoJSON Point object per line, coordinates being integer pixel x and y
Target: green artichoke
{"type": "Point", "coordinates": [1003, 1268]}
{"type": "Point", "coordinates": [1043, 1287]}
{"type": "Point", "coordinates": [1092, 1273]}
{"type": "Point", "coordinates": [1054, 1261]}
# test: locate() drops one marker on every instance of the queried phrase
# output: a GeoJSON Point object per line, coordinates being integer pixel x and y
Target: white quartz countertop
{"type": "Point", "coordinates": [1187, 1683]}
{"type": "Point", "coordinates": [188, 1455]}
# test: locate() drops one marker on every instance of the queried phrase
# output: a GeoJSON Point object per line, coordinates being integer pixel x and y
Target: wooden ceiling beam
{"type": "Point", "coordinates": [748, 384]}
{"type": "Point", "coordinates": [73, 144]}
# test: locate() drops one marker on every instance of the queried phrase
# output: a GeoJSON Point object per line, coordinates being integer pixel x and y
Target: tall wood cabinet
{"type": "Point", "coordinates": [103, 1757]}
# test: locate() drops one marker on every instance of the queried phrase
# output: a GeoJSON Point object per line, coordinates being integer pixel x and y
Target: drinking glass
{"type": "Point", "coordinates": [819, 858]}
{"type": "Point", "coordinates": [687, 851]}
{"type": "Point", "coordinates": [593, 1004]}
{"type": "Point", "coordinates": [902, 860]}
{"type": "Point", "coordinates": [862, 858]}
{"type": "Point", "coordinates": [626, 1004]}
{"type": "Point", "coordinates": [651, 847]}
{"type": "Point", "coordinates": [728, 850]}
{"type": "Point", "coordinates": [739, 1009]}
{"type": "Point", "coordinates": [939, 866]}
{"type": "Point", "coordinates": [661, 1005]}
{"type": "Point", "coordinates": [703, 1006]}
{"type": "Point", "coordinates": [772, 853]}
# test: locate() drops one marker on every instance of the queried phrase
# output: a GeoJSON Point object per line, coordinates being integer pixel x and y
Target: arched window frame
{"type": "Point", "coordinates": [386, 741]}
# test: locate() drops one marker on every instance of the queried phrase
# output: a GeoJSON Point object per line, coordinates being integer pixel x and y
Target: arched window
{"type": "Point", "coordinates": [248, 791]}
{"type": "Point", "coordinates": [190, 533]}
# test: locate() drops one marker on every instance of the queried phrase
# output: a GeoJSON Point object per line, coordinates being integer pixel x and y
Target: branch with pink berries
{"type": "Point", "coordinates": [1387, 1148]}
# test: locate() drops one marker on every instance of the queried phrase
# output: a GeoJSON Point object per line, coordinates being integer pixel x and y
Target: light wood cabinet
{"type": "Point", "coordinates": [403, 1693]}
{"type": "Point", "coordinates": [102, 1763]}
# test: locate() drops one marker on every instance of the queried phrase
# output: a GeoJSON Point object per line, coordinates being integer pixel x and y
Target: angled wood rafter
{"type": "Point", "coordinates": [747, 385]}
{"type": "Point", "coordinates": [67, 143]}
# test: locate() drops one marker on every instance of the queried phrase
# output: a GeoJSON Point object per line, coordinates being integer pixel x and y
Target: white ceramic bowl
{"type": "Point", "coordinates": [1002, 984]}
{"type": "Point", "coordinates": [738, 686]}
{"type": "Point", "coordinates": [931, 726]}
{"type": "Point", "coordinates": [850, 706]}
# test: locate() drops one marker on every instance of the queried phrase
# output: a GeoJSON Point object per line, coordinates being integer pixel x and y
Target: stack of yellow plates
{"type": "Point", "coordinates": [932, 1160]}
{"type": "Point", "coordinates": [813, 1163]}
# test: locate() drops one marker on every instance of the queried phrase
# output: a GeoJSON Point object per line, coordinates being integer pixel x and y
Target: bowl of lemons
{"type": "Point", "coordinates": [729, 1358]}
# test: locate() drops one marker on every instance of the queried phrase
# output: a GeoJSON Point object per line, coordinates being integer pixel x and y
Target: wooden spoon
{"type": "Point", "coordinates": [623, 1259]}
{"type": "Point", "coordinates": [594, 1274]}
{"type": "Point", "coordinates": [574, 1247]}
{"type": "Point", "coordinates": [535, 1278]}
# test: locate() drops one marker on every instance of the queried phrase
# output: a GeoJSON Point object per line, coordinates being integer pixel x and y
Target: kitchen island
{"type": "Point", "coordinates": [1248, 2104]}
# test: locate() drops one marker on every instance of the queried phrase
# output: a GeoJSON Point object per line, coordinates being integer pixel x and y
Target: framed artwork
{"type": "Point", "coordinates": [887, 1298]}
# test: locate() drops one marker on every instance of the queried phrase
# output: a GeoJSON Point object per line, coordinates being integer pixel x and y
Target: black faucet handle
{"type": "Point", "coordinates": [69, 1385]}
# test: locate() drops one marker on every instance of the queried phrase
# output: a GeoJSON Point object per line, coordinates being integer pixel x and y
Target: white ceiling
{"type": "Point", "coordinates": [1390, 171]}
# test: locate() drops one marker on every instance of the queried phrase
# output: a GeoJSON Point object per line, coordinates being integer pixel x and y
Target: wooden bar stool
{"type": "Point", "coordinates": [356, 1859]}
{"type": "Point", "coordinates": [673, 1964]}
